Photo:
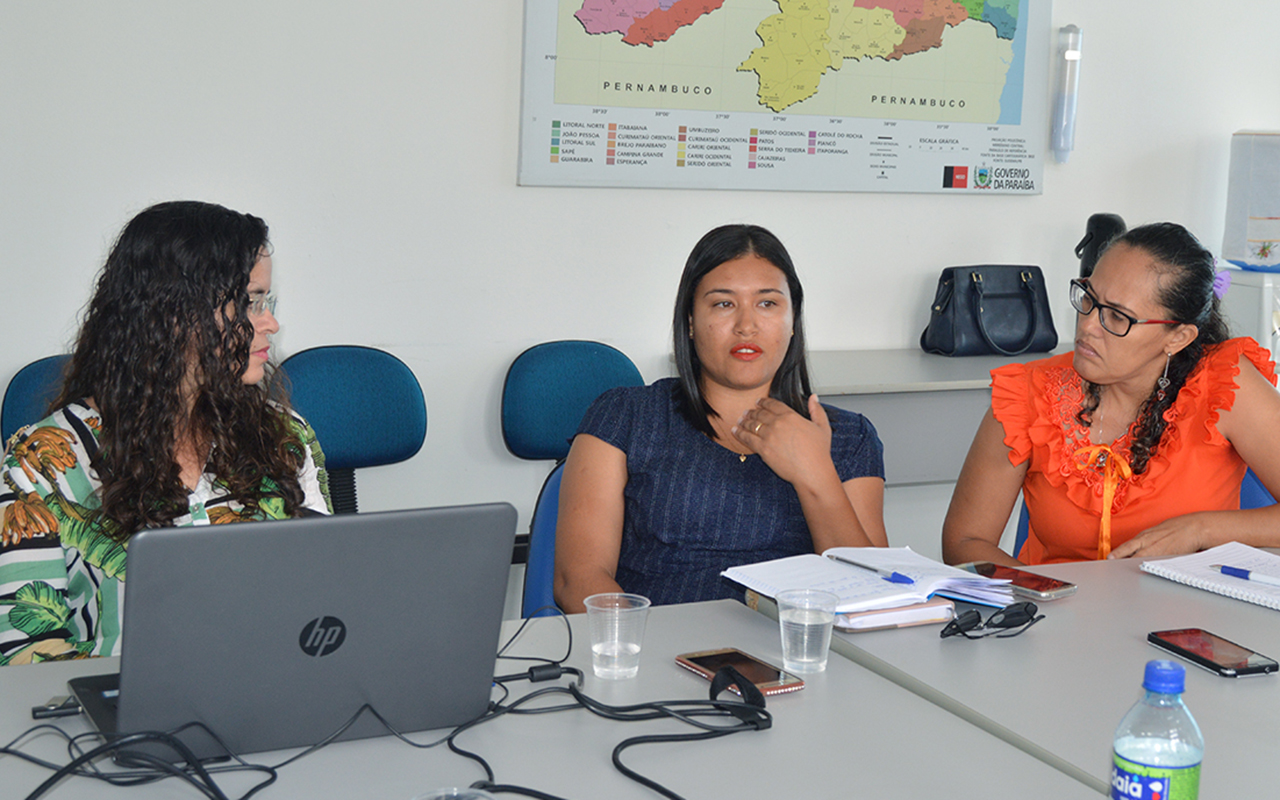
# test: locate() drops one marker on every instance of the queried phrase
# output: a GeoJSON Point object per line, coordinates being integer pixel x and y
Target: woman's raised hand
{"type": "Point", "coordinates": [795, 448]}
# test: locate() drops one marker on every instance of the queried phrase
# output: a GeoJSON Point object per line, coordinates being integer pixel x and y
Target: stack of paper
{"type": "Point", "coordinates": [933, 612]}
{"type": "Point", "coordinates": [1194, 570]}
{"type": "Point", "coordinates": [863, 590]}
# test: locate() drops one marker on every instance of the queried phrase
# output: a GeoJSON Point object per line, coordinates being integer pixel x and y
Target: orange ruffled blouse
{"type": "Point", "coordinates": [1194, 467]}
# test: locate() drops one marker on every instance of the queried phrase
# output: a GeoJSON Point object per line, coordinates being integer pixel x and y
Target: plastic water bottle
{"type": "Point", "coordinates": [1158, 745]}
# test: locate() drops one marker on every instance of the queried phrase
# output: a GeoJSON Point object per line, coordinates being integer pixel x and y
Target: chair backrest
{"type": "Point", "coordinates": [365, 405]}
{"type": "Point", "coordinates": [547, 390]}
{"type": "Point", "coordinates": [1252, 495]}
{"type": "Point", "coordinates": [550, 386]}
{"type": "Point", "coordinates": [29, 393]}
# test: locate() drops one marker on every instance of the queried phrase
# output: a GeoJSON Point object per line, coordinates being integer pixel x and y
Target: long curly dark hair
{"type": "Point", "coordinates": [172, 302]}
{"type": "Point", "coordinates": [1186, 292]}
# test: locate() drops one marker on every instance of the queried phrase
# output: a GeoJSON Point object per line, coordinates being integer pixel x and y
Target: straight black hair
{"type": "Point", "coordinates": [791, 382]}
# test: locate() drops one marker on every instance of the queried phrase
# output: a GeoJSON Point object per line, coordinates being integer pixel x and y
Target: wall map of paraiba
{"type": "Point", "coordinates": [941, 60]}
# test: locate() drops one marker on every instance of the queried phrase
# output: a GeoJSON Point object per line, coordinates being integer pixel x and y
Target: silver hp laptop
{"type": "Point", "coordinates": [273, 634]}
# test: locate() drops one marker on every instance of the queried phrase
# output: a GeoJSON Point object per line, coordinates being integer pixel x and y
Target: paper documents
{"type": "Point", "coordinates": [1193, 570]}
{"type": "Point", "coordinates": [862, 590]}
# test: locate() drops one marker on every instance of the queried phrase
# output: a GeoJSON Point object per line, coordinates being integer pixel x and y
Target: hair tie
{"type": "Point", "coordinates": [1221, 281]}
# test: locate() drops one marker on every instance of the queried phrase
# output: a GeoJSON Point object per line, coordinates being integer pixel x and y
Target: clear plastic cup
{"type": "Point", "coordinates": [454, 793]}
{"type": "Point", "coordinates": [616, 620]}
{"type": "Point", "coordinates": [805, 617]}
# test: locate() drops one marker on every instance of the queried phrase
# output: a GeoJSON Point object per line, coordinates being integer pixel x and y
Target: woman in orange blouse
{"type": "Point", "coordinates": [1136, 442]}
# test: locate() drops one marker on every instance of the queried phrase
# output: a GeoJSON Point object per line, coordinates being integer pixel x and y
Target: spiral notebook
{"type": "Point", "coordinates": [1193, 570]}
{"type": "Point", "coordinates": [861, 590]}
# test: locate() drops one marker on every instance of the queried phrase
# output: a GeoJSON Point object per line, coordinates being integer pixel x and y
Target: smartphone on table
{"type": "Point", "coordinates": [1024, 583]}
{"type": "Point", "coordinates": [767, 678]}
{"type": "Point", "coordinates": [1212, 652]}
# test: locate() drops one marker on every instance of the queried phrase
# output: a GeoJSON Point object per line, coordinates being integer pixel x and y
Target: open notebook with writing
{"type": "Point", "coordinates": [862, 590]}
{"type": "Point", "coordinates": [1193, 570]}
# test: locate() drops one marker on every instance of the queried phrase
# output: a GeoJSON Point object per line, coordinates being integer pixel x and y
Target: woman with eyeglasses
{"type": "Point", "coordinates": [168, 416]}
{"type": "Point", "coordinates": [733, 462]}
{"type": "Point", "coordinates": [1134, 444]}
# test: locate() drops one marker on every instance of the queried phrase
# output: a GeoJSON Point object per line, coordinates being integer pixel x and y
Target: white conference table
{"type": "Point", "coordinates": [848, 733]}
{"type": "Point", "coordinates": [1059, 690]}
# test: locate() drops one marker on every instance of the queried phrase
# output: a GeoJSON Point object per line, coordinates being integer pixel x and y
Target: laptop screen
{"type": "Point", "coordinates": [273, 634]}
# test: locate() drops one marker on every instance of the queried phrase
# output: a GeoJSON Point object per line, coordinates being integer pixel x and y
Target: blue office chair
{"type": "Point", "coordinates": [366, 407]}
{"type": "Point", "coordinates": [1252, 495]}
{"type": "Point", "coordinates": [1024, 525]}
{"type": "Point", "coordinates": [29, 393]}
{"type": "Point", "coordinates": [547, 390]}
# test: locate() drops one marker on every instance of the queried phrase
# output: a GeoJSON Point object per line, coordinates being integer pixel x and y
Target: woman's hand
{"type": "Point", "coordinates": [798, 450]}
{"type": "Point", "coordinates": [795, 448]}
{"type": "Point", "coordinates": [1189, 533]}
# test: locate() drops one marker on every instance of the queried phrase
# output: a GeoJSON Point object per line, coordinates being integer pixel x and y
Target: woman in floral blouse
{"type": "Point", "coordinates": [168, 416]}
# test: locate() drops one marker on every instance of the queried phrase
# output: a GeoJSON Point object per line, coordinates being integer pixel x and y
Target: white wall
{"type": "Point", "coordinates": [379, 142]}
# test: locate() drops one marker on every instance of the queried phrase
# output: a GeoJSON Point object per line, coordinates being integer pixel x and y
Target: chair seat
{"type": "Point", "coordinates": [539, 599]}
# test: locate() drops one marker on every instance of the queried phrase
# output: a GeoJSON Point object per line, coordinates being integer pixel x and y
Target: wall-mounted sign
{"type": "Point", "coordinates": [826, 95]}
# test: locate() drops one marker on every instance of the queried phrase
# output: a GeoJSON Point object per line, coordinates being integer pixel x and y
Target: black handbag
{"type": "Point", "coordinates": [990, 310]}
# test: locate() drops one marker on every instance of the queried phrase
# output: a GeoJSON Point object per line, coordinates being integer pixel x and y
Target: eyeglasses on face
{"type": "Point", "coordinates": [1114, 321]}
{"type": "Point", "coordinates": [262, 302]}
{"type": "Point", "coordinates": [1019, 615]}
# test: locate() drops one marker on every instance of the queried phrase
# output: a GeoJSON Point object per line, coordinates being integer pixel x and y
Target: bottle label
{"type": "Point", "coordinates": [1133, 781]}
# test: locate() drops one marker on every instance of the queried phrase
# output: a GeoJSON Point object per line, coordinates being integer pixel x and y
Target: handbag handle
{"type": "Point", "coordinates": [1025, 277]}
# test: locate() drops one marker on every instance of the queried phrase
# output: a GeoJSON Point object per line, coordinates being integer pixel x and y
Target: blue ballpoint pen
{"type": "Point", "coordinates": [888, 574]}
{"type": "Point", "coordinates": [1247, 575]}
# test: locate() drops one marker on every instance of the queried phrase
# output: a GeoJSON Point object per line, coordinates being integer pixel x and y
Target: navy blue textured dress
{"type": "Point", "coordinates": [693, 508]}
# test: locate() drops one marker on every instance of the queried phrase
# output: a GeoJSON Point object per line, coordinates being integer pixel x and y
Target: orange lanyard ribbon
{"type": "Point", "coordinates": [1114, 469]}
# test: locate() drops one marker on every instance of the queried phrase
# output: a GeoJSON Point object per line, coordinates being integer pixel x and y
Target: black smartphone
{"type": "Point", "coordinates": [767, 678]}
{"type": "Point", "coordinates": [1212, 652]}
{"type": "Point", "coordinates": [1024, 584]}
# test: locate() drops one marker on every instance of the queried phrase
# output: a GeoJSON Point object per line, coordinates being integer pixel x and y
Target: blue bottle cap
{"type": "Point", "coordinates": [1166, 677]}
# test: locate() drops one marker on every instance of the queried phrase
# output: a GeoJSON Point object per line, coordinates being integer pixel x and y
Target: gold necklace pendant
{"type": "Point", "coordinates": [742, 457]}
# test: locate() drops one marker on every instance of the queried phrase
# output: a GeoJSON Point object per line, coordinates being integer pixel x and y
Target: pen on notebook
{"type": "Point", "coordinates": [1247, 575]}
{"type": "Point", "coordinates": [888, 574]}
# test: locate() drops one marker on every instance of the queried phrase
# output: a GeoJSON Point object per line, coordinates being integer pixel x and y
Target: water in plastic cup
{"type": "Point", "coordinates": [616, 620]}
{"type": "Point", "coordinates": [453, 793]}
{"type": "Point", "coordinates": [806, 617]}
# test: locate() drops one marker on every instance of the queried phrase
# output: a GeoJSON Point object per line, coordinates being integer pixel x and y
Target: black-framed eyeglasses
{"type": "Point", "coordinates": [1000, 624]}
{"type": "Point", "coordinates": [1114, 321]}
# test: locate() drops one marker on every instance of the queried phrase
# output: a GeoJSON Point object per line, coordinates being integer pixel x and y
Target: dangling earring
{"type": "Point", "coordinates": [1163, 381]}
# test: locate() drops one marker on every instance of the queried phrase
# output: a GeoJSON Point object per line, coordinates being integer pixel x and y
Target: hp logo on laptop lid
{"type": "Point", "coordinates": [321, 636]}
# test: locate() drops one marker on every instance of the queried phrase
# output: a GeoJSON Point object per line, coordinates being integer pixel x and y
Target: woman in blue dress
{"type": "Point", "coordinates": [735, 461]}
